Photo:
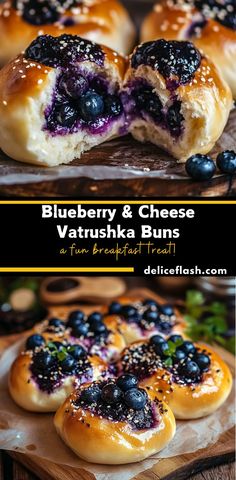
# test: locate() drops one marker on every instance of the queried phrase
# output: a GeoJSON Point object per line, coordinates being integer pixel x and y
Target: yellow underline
{"type": "Point", "coordinates": [68, 269]}
{"type": "Point", "coordinates": [116, 202]}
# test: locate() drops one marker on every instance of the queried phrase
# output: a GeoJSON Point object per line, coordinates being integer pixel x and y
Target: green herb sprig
{"type": "Point", "coordinates": [170, 353]}
{"type": "Point", "coordinates": [206, 322]}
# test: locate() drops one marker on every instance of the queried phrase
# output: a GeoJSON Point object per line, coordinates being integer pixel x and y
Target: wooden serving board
{"type": "Point", "coordinates": [175, 468]}
{"type": "Point", "coordinates": [120, 168]}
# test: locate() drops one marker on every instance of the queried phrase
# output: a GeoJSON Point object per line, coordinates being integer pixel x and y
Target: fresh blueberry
{"type": "Point", "coordinates": [59, 346]}
{"type": "Point", "coordinates": [44, 360]}
{"type": "Point", "coordinates": [127, 381]}
{"type": "Point", "coordinates": [190, 369]}
{"type": "Point", "coordinates": [226, 162]}
{"type": "Point", "coordinates": [113, 105]}
{"type": "Point", "coordinates": [68, 364]}
{"type": "Point", "coordinates": [91, 394]}
{"type": "Point", "coordinates": [200, 167]}
{"type": "Point", "coordinates": [151, 315]}
{"type": "Point", "coordinates": [156, 340]}
{"type": "Point", "coordinates": [98, 328]}
{"type": "Point", "coordinates": [77, 351]}
{"type": "Point", "coordinates": [55, 322]}
{"type": "Point", "coordinates": [203, 361]}
{"type": "Point", "coordinates": [161, 348]}
{"type": "Point", "coordinates": [80, 330]}
{"type": "Point", "coordinates": [129, 311]}
{"type": "Point", "coordinates": [75, 317]}
{"type": "Point", "coordinates": [95, 317]}
{"type": "Point", "coordinates": [174, 118]}
{"type": "Point", "coordinates": [115, 308]}
{"type": "Point", "coordinates": [164, 327]}
{"type": "Point", "coordinates": [74, 86]}
{"type": "Point", "coordinates": [135, 398]}
{"type": "Point", "coordinates": [34, 341]}
{"type": "Point", "coordinates": [179, 355]}
{"type": "Point", "coordinates": [167, 310]}
{"type": "Point", "coordinates": [150, 303]}
{"type": "Point", "coordinates": [66, 115]}
{"type": "Point", "coordinates": [175, 338]}
{"type": "Point", "coordinates": [188, 347]}
{"type": "Point", "coordinates": [91, 106]}
{"type": "Point", "coordinates": [111, 393]}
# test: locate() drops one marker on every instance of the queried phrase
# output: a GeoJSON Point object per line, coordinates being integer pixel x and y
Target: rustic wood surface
{"type": "Point", "coordinates": [176, 468]}
{"type": "Point", "coordinates": [120, 168]}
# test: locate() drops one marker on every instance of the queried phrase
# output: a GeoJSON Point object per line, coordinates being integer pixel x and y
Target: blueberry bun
{"type": "Point", "coordinates": [209, 24]}
{"type": "Point", "coordinates": [192, 378]}
{"type": "Point", "coordinates": [142, 318]}
{"type": "Point", "coordinates": [45, 373]}
{"type": "Point", "coordinates": [101, 21]}
{"type": "Point", "coordinates": [59, 99]}
{"type": "Point", "coordinates": [114, 422]}
{"type": "Point", "coordinates": [175, 98]}
{"type": "Point", "coordinates": [88, 330]}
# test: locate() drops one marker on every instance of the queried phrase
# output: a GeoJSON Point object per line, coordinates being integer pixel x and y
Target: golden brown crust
{"type": "Point", "coordinates": [132, 332]}
{"type": "Point", "coordinates": [214, 39]}
{"type": "Point", "coordinates": [196, 400]}
{"type": "Point", "coordinates": [26, 393]}
{"type": "Point", "coordinates": [99, 440]}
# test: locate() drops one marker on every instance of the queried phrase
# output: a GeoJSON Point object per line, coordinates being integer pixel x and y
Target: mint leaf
{"type": "Point", "coordinates": [62, 355]}
{"type": "Point", "coordinates": [168, 362]}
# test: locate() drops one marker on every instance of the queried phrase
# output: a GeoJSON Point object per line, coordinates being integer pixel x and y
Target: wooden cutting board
{"type": "Point", "coordinates": [120, 168]}
{"type": "Point", "coordinates": [175, 468]}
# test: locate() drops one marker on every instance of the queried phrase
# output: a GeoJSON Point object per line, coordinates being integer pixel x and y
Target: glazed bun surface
{"type": "Point", "coordinates": [211, 26]}
{"type": "Point", "coordinates": [106, 22]}
{"type": "Point", "coordinates": [104, 433]}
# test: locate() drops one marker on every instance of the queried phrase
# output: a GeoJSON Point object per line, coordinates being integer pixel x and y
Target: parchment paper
{"type": "Point", "coordinates": [34, 433]}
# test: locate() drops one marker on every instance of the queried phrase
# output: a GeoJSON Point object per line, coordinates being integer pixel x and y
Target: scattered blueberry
{"type": "Point", "coordinates": [43, 360]}
{"type": "Point", "coordinates": [127, 381]}
{"type": "Point", "coordinates": [111, 393]}
{"type": "Point", "coordinates": [150, 303]}
{"type": "Point", "coordinates": [74, 86]}
{"type": "Point", "coordinates": [151, 315]}
{"type": "Point", "coordinates": [75, 317]}
{"type": "Point", "coordinates": [226, 162]}
{"type": "Point", "coordinates": [190, 369]}
{"type": "Point", "coordinates": [115, 308]}
{"type": "Point", "coordinates": [179, 355]}
{"type": "Point", "coordinates": [135, 398]}
{"type": "Point", "coordinates": [167, 310]}
{"type": "Point", "coordinates": [188, 347]}
{"type": "Point", "coordinates": [200, 167]}
{"type": "Point", "coordinates": [161, 348]}
{"type": "Point", "coordinates": [80, 329]}
{"type": "Point", "coordinates": [68, 364]}
{"type": "Point", "coordinates": [129, 311]}
{"type": "Point", "coordinates": [98, 328]}
{"type": "Point", "coordinates": [113, 105]}
{"type": "Point", "coordinates": [175, 338]}
{"type": "Point", "coordinates": [95, 317]}
{"type": "Point", "coordinates": [91, 106]}
{"type": "Point", "coordinates": [55, 322]}
{"type": "Point", "coordinates": [164, 327]}
{"type": "Point", "coordinates": [59, 346]}
{"type": "Point", "coordinates": [34, 341]}
{"type": "Point", "coordinates": [91, 394]}
{"type": "Point", "coordinates": [156, 340]}
{"type": "Point", "coordinates": [77, 351]}
{"type": "Point", "coordinates": [66, 115]}
{"type": "Point", "coordinates": [203, 361]}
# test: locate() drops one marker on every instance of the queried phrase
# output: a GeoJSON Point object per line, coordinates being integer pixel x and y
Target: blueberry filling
{"type": "Point", "coordinates": [117, 404]}
{"type": "Point", "coordinates": [147, 315]}
{"type": "Point", "coordinates": [171, 58]}
{"type": "Point", "coordinates": [44, 12]}
{"type": "Point", "coordinates": [52, 362]}
{"type": "Point", "coordinates": [146, 102]}
{"type": "Point", "coordinates": [81, 103]}
{"type": "Point", "coordinates": [180, 358]}
{"type": "Point", "coordinates": [223, 12]}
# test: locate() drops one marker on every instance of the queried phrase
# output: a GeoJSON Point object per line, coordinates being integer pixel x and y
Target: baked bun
{"type": "Point", "coordinates": [103, 423]}
{"type": "Point", "coordinates": [45, 373]}
{"type": "Point", "coordinates": [101, 21]}
{"type": "Point", "coordinates": [59, 99]}
{"type": "Point", "coordinates": [209, 24]}
{"type": "Point", "coordinates": [175, 98]}
{"type": "Point", "coordinates": [141, 318]}
{"type": "Point", "coordinates": [192, 378]}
